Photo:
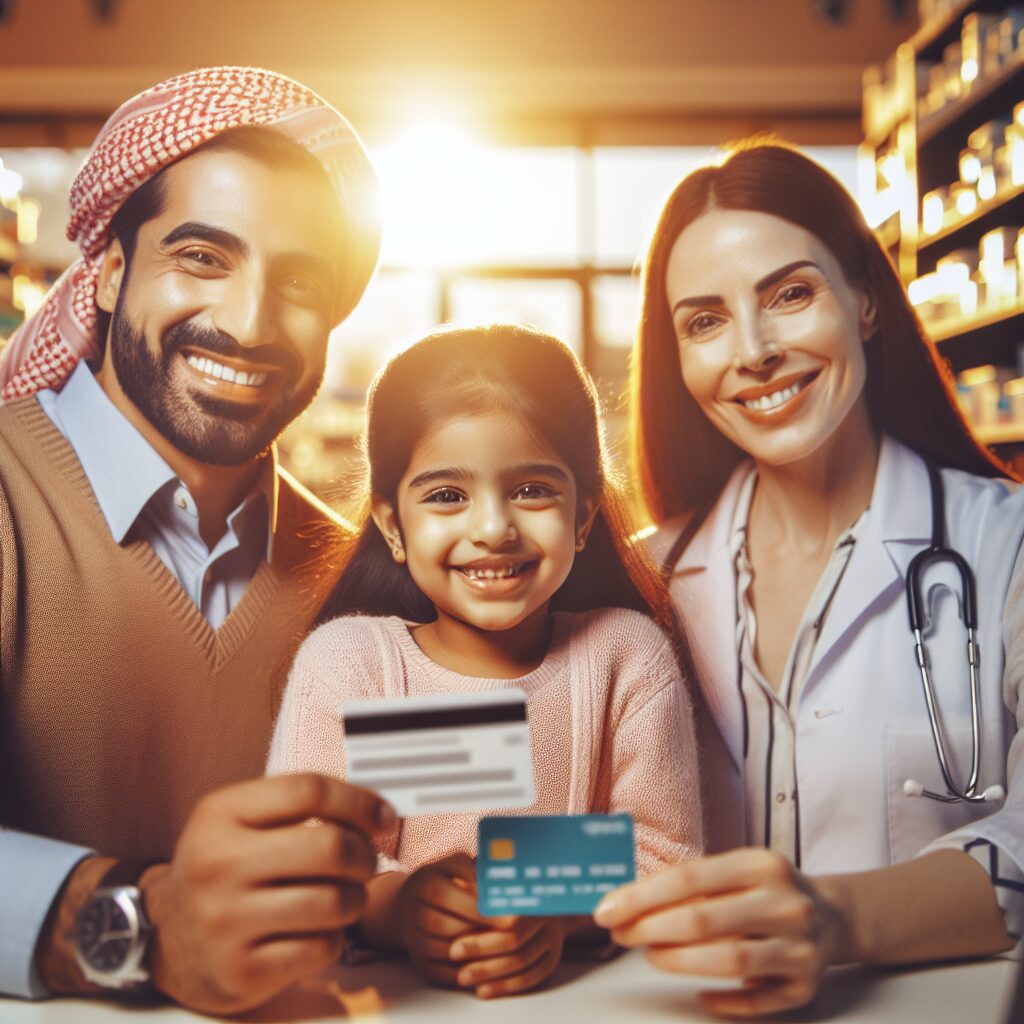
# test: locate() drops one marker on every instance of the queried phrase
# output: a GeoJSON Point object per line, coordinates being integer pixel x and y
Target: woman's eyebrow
{"type": "Point", "coordinates": [766, 282]}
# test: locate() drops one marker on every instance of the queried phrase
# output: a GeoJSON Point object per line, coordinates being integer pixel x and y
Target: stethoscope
{"type": "Point", "coordinates": [936, 553]}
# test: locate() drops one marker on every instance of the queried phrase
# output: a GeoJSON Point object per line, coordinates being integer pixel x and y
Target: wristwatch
{"type": "Point", "coordinates": [112, 931]}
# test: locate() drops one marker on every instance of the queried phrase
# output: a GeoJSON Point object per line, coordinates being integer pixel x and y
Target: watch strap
{"type": "Point", "coordinates": [126, 872]}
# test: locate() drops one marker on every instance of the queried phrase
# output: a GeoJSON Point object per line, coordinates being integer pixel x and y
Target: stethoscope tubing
{"type": "Point", "coordinates": [937, 553]}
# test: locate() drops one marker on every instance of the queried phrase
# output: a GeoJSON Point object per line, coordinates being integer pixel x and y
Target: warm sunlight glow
{"type": "Point", "coordinates": [453, 201]}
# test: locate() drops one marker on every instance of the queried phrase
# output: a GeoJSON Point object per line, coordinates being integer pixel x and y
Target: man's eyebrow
{"type": "Point", "coordinates": [766, 282]}
{"type": "Point", "coordinates": [194, 230]}
{"type": "Point", "coordinates": [433, 475]}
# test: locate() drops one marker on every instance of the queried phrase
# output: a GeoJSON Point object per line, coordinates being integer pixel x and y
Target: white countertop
{"type": "Point", "coordinates": [626, 989]}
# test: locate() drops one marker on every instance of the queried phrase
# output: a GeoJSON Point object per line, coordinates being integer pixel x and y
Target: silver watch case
{"type": "Point", "coordinates": [111, 937]}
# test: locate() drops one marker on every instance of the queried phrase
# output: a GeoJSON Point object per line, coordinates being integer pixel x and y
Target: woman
{"type": "Point", "coordinates": [787, 406]}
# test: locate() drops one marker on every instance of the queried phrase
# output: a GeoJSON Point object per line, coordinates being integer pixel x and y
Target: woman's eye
{"type": "Point", "coordinates": [445, 496]}
{"type": "Point", "coordinates": [792, 294]}
{"type": "Point", "coordinates": [700, 324]}
{"type": "Point", "coordinates": [534, 492]}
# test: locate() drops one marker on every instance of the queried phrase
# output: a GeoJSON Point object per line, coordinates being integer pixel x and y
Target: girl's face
{"type": "Point", "coordinates": [771, 334]}
{"type": "Point", "coordinates": [488, 521]}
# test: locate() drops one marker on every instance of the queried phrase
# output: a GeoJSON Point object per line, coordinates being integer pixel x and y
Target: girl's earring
{"type": "Point", "coordinates": [581, 542]}
{"type": "Point", "coordinates": [397, 552]}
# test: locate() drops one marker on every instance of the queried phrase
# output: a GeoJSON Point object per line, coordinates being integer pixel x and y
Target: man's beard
{"type": "Point", "coordinates": [201, 426]}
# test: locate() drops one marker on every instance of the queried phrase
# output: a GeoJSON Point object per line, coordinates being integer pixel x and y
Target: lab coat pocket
{"type": "Point", "coordinates": [914, 821]}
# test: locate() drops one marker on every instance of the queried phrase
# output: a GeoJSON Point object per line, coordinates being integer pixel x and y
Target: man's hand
{"type": "Point", "coordinates": [519, 954]}
{"type": "Point", "coordinates": [747, 914]}
{"type": "Point", "coordinates": [438, 904]}
{"type": "Point", "coordinates": [255, 895]}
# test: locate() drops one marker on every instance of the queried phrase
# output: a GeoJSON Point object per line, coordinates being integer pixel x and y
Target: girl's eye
{"type": "Point", "coordinates": [793, 294]}
{"type": "Point", "coordinates": [445, 496]}
{"type": "Point", "coordinates": [534, 492]}
{"type": "Point", "coordinates": [701, 324]}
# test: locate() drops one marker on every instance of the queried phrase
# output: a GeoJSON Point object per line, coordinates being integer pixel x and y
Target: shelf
{"type": "Point", "coordinates": [888, 233]}
{"type": "Point", "coordinates": [936, 30]}
{"type": "Point", "coordinates": [984, 210]}
{"type": "Point", "coordinates": [1000, 433]}
{"type": "Point", "coordinates": [950, 116]}
{"type": "Point", "coordinates": [950, 328]}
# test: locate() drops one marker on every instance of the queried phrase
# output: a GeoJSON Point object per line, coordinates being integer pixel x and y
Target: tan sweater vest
{"type": "Point", "coordinates": [119, 704]}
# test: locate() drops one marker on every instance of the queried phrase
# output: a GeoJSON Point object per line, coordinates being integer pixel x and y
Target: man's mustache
{"type": "Point", "coordinates": [186, 335]}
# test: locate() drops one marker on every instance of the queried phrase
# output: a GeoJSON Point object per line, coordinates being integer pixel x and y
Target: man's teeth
{"type": "Point", "coordinates": [220, 372]}
{"type": "Point", "coordinates": [774, 400]}
{"type": "Point", "coordinates": [492, 574]}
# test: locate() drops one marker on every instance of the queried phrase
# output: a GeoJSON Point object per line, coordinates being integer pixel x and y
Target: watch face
{"type": "Point", "coordinates": [104, 934]}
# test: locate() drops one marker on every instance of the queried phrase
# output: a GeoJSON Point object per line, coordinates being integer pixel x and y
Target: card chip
{"type": "Point", "coordinates": [502, 849]}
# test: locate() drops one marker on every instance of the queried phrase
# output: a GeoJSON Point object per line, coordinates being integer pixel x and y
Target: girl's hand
{"type": "Point", "coordinates": [436, 905]}
{"type": "Point", "coordinates": [747, 914]}
{"type": "Point", "coordinates": [519, 954]}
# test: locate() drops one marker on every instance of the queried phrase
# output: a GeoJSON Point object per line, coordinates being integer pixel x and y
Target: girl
{"type": "Point", "coordinates": [798, 441]}
{"type": "Point", "coordinates": [492, 553]}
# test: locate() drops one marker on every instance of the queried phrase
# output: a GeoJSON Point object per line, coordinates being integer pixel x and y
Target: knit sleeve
{"type": "Point", "coordinates": [338, 662]}
{"type": "Point", "coordinates": [654, 761]}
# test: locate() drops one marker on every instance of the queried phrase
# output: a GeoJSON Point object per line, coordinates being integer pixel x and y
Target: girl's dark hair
{"type": "Point", "coordinates": [536, 379]}
{"type": "Point", "coordinates": [680, 460]}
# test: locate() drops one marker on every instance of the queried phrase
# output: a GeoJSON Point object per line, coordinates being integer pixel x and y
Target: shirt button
{"type": "Point", "coordinates": [780, 798]}
{"type": "Point", "coordinates": [180, 500]}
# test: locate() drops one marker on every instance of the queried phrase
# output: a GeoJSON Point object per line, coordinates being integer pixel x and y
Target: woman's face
{"type": "Point", "coordinates": [771, 334]}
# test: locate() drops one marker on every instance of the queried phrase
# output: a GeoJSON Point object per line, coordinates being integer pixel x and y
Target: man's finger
{"type": "Point", "coordinates": [322, 850]}
{"type": "Point", "coordinates": [286, 799]}
{"type": "Point", "coordinates": [708, 876]}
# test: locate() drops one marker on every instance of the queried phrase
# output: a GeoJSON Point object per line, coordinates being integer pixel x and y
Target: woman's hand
{"type": "Point", "coordinates": [437, 904]}
{"type": "Point", "coordinates": [519, 954]}
{"type": "Point", "coordinates": [747, 914]}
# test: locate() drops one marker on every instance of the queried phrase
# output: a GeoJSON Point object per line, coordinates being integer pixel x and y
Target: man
{"type": "Point", "coordinates": [157, 569]}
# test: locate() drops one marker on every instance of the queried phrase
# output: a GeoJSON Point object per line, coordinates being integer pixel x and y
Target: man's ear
{"type": "Point", "coordinates": [868, 316]}
{"type": "Point", "coordinates": [112, 269]}
{"type": "Point", "coordinates": [386, 521]}
{"type": "Point", "coordinates": [585, 521]}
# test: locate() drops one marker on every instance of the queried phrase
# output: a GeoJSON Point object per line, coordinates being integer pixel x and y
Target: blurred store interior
{"type": "Point", "coordinates": [524, 150]}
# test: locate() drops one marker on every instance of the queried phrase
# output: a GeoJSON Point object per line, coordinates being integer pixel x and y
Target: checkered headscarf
{"type": "Point", "coordinates": [142, 137]}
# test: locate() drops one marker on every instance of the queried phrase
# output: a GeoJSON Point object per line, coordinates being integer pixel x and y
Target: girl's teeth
{"type": "Point", "coordinates": [218, 372]}
{"type": "Point", "coordinates": [775, 399]}
{"type": "Point", "coordinates": [491, 574]}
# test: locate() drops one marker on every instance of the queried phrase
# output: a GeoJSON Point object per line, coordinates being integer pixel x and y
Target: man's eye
{"type": "Point", "coordinates": [305, 288]}
{"type": "Point", "coordinates": [445, 496]}
{"type": "Point", "coordinates": [199, 257]}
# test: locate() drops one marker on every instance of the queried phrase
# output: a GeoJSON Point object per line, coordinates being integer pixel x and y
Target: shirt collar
{"type": "Point", "coordinates": [96, 428]}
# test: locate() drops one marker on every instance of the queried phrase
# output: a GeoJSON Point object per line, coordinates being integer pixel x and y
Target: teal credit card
{"type": "Point", "coordinates": [550, 865]}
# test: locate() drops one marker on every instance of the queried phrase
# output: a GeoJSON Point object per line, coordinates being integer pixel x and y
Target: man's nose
{"type": "Point", "coordinates": [491, 522]}
{"type": "Point", "coordinates": [245, 311]}
{"type": "Point", "coordinates": [756, 347]}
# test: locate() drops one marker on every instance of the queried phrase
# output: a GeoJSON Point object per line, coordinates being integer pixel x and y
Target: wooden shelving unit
{"type": "Point", "coordinates": [929, 145]}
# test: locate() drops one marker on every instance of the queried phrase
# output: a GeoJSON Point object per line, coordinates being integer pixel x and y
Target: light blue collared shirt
{"type": "Point", "coordinates": [145, 501]}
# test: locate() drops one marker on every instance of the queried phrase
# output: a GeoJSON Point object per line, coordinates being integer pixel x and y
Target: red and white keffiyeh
{"type": "Point", "coordinates": [143, 136]}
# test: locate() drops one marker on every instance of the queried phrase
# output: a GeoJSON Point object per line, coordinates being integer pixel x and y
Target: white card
{"type": "Point", "coordinates": [449, 752]}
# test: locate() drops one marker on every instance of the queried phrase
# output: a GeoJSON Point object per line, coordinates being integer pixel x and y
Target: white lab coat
{"type": "Point", "coordinates": [861, 725]}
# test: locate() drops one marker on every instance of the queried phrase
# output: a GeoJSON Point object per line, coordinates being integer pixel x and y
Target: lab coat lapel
{"type": "Point", "coordinates": [897, 525]}
{"type": "Point", "coordinates": [703, 585]}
